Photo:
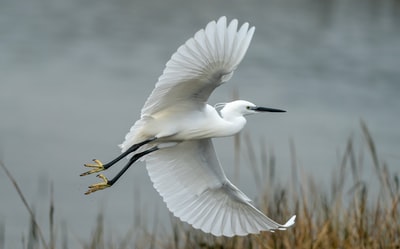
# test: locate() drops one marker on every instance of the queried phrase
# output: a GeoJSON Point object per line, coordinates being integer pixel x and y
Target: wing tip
{"type": "Point", "coordinates": [222, 19]}
{"type": "Point", "coordinates": [288, 224]}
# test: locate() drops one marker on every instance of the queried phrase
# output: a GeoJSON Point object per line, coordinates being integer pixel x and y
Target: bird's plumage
{"type": "Point", "coordinates": [200, 65]}
{"type": "Point", "coordinates": [204, 62]}
{"type": "Point", "coordinates": [193, 185]}
{"type": "Point", "coordinates": [188, 175]}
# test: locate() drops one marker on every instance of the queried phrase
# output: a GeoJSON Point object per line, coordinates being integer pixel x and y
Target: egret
{"type": "Point", "coordinates": [174, 132]}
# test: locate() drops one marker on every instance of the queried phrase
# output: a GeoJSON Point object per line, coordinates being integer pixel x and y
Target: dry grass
{"type": "Point", "coordinates": [346, 213]}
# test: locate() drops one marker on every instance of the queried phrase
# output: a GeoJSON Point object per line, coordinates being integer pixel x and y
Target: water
{"type": "Point", "coordinates": [74, 76]}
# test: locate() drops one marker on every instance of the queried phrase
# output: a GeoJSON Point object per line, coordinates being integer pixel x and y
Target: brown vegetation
{"type": "Point", "coordinates": [349, 213]}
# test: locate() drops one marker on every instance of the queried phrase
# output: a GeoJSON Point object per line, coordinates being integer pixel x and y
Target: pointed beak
{"type": "Point", "coordinates": [266, 109]}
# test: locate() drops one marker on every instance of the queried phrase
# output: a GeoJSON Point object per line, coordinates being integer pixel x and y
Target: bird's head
{"type": "Point", "coordinates": [243, 108]}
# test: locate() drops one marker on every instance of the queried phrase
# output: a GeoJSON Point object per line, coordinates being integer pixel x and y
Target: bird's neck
{"type": "Point", "coordinates": [222, 125]}
{"type": "Point", "coordinates": [232, 125]}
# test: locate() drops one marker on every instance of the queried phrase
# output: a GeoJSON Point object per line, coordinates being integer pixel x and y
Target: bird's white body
{"type": "Point", "coordinates": [190, 125]}
{"type": "Point", "coordinates": [187, 173]}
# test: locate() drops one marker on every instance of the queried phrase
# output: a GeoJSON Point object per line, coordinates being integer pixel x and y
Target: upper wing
{"type": "Point", "coordinates": [200, 65]}
{"type": "Point", "coordinates": [192, 183]}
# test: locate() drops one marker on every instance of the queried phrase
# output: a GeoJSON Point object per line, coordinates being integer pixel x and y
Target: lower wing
{"type": "Point", "coordinates": [193, 185]}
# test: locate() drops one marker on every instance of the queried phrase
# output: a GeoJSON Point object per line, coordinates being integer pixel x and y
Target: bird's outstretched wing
{"type": "Point", "coordinates": [200, 65]}
{"type": "Point", "coordinates": [192, 183]}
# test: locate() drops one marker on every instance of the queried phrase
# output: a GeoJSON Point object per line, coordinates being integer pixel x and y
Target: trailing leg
{"type": "Point", "coordinates": [108, 183]}
{"type": "Point", "coordinates": [99, 166]}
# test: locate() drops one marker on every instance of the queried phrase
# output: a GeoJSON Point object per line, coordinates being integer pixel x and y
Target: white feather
{"type": "Point", "coordinates": [199, 66]}
{"type": "Point", "coordinates": [188, 175]}
{"type": "Point", "coordinates": [193, 185]}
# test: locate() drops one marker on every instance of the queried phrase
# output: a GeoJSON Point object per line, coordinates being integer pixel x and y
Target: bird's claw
{"type": "Point", "coordinates": [97, 167]}
{"type": "Point", "coordinates": [98, 186]}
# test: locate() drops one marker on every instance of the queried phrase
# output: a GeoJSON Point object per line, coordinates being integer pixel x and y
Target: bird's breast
{"type": "Point", "coordinates": [195, 124]}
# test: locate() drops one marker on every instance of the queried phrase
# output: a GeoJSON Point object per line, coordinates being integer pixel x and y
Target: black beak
{"type": "Point", "coordinates": [266, 109]}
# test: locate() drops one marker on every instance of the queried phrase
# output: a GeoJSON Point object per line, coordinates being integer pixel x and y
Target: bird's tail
{"type": "Point", "coordinates": [135, 135]}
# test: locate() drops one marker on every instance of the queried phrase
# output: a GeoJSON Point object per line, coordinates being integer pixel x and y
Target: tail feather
{"type": "Point", "coordinates": [135, 134]}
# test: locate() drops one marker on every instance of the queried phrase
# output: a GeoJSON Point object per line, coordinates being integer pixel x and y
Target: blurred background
{"type": "Point", "coordinates": [74, 75]}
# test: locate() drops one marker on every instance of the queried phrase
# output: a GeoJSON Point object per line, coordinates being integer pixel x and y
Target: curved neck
{"type": "Point", "coordinates": [226, 124]}
{"type": "Point", "coordinates": [231, 125]}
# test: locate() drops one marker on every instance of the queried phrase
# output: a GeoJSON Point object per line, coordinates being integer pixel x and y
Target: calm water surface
{"type": "Point", "coordinates": [74, 76]}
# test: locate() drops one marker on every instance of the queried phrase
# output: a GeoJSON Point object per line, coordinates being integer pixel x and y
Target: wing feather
{"type": "Point", "coordinates": [201, 63]}
{"type": "Point", "coordinates": [193, 185]}
{"type": "Point", "coordinates": [199, 66]}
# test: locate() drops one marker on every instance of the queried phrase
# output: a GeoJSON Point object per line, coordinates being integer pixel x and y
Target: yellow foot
{"type": "Point", "coordinates": [98, 186]}
{"type": "Point", "coordinates": [97, 167]}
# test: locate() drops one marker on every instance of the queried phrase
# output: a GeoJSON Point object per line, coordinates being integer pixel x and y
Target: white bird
{"type": "Point", "coordinates": [173, 135]}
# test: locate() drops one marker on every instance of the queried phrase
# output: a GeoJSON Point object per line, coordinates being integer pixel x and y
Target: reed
{"type": "Point", "coordinates": [346, 213]}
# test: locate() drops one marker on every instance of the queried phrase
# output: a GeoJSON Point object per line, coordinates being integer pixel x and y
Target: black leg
{"type": "Point", "coordinates": [131, 149]}
{"type": "Point", "coordinates": [108, 183]}
{"type": "Point", "coordinates": [99, 166]}
{"type": "Point", "coordinates": [133, 159]}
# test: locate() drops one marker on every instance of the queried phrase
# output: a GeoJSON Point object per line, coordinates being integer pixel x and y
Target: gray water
{"type": "Point", "coordinates": [75, 74]}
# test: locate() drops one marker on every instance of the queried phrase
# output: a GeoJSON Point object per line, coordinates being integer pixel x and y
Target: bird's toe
{"type": "Point", "coordinates": [97, 167]}
{"type": "Point", "coordinates": [98, 186]}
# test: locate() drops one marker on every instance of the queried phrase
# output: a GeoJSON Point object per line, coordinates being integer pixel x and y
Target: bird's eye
{"type": "Point", "coordinates": [248, 107]}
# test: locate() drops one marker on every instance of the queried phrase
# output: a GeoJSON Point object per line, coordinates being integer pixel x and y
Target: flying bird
{"type": "Point", "coordinates": [175, 130]}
